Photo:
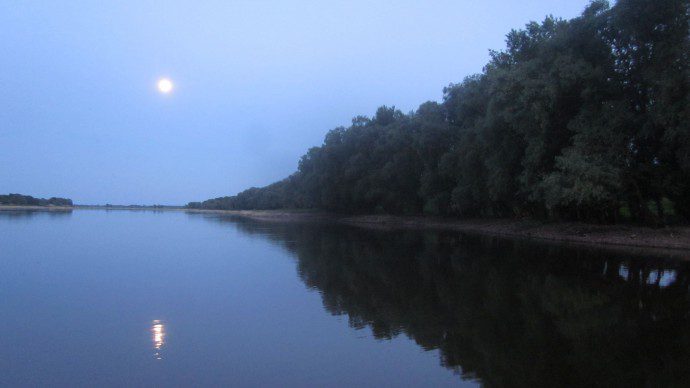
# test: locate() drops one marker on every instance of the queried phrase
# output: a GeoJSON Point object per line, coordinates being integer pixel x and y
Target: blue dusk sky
{"type": "Point", "coordinates": [256, 84]}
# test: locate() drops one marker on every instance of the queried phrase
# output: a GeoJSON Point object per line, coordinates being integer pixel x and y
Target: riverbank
{"type": "Point", "coordinates": [675, 238]}
{"type": "Point", "coordinates": [667, 238]}
{"type": "Point", "coordinates": [36, 208]}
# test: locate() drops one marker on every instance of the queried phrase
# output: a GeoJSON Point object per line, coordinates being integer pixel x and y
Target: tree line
{"type": "Point", "coordinates": [581, 119]}
{"type": "Point", "coordinates": [27, 200]}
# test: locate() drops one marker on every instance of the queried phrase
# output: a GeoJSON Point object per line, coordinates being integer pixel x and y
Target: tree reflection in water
{"type": "Point", "coordinates": [508, 313]}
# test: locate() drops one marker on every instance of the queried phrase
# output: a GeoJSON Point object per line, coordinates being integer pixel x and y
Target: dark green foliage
{"type": "Point", "coordinates": [575, 119]}
{"type": "Point", "coordinates": [282, 194]}
{"type": "Point", "coordinates": [27, 200]}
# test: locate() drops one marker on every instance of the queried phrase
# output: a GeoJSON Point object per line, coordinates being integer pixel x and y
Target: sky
{"type": "Point", "coordinates": [256, 84]}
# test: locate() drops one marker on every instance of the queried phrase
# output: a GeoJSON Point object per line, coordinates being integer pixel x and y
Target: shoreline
{"type": "Point", "coordinates": [36, 208]}
{"type": "Point", "coordinates": [675, 239]}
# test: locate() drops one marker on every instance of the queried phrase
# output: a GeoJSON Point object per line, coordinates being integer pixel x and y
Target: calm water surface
{"type": "Point", "coordinates": [136, 298]}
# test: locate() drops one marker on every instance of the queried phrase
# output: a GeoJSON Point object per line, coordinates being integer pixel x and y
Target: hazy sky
{"type": "Point", "coordinates": [256, 84]}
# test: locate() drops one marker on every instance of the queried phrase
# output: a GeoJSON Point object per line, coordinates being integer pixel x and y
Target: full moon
{"type": "Point", "coordinates": [165, 85]}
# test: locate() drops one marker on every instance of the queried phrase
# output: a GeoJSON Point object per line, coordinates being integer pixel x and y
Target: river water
{"type": "Point", "coordinates": [142, 298]}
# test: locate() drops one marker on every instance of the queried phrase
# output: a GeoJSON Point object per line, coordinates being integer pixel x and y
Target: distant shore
{"type": "Point", "coordinates": [130, 207]}
{"type": "Point", "coordinates": [675, 238]}
{"type": "Point", "coordinates": [36, 208]}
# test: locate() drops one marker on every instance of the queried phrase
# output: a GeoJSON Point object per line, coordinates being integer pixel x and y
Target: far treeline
{"type": "Point", "coordinates": [583, 119]}
{"type": "Point", "coordinates": [27, 200]}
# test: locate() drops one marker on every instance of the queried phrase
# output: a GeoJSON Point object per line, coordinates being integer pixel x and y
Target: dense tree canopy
{"type": "Point", "coordinates": [27, 200]}
{"type": "Point", "coordinates": [581, 119]}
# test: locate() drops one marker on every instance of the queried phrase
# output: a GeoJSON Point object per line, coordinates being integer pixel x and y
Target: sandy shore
{"type": "Point", "coordinates": [667, 238]}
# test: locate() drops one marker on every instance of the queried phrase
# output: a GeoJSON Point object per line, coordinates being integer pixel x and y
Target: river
{"type": "Point", "coordinates": [143, 298]}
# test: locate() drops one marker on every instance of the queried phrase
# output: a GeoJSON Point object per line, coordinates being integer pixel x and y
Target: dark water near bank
{"type": "Point", "coordinates": [120, 298]}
